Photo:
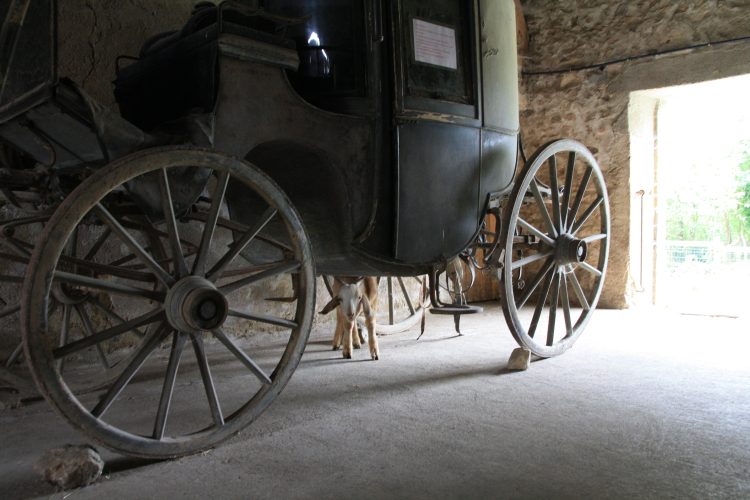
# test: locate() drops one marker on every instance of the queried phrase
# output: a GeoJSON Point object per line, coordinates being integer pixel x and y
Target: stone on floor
{"type": "Point", "coordinates": [519, 359]}
{"type": "Point", "coordinates": [71, 466]}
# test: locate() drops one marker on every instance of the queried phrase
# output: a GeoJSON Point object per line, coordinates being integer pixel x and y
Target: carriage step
{"type": "Point", "coordinates": [455, 309]}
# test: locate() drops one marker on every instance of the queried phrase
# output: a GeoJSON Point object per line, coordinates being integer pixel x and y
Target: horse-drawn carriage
{"type": "Point", "coordinates": [265, 143]}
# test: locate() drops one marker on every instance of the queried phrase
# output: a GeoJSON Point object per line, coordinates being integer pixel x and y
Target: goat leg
{"type": "Point", "coordinates": [372, 337]}
{"type": "Point", "coordinates": [339, 332]}
{"type": "Point", "coordinates": [349, 326]}
{"type": "Point", "coordinates": [357, 338]}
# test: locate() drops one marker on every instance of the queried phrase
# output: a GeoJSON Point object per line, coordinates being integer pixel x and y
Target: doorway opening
{"type": "Point", "coordinates": [690, 215]}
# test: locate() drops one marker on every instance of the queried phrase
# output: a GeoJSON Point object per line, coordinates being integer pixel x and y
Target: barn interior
{"type": "Point", "coordinates": [652, 401]}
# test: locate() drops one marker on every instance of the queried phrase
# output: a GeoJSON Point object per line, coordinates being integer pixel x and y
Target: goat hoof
{"type": "Point", "coordinates": [375, 356]}
{"type": "Point", "coordinates": [357, 346]}
{"type": "Point", "coordinates": [347, 355]}
{"type": "Point", "coordinates": [335, 348]}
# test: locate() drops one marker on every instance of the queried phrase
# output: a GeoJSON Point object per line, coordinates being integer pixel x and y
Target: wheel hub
{"type": "Point", "coordinates": [67, 295]}
{"type": "Point", "coordinates": [570, 250]}
{"type": "Point", "coordinates": [194, 304]}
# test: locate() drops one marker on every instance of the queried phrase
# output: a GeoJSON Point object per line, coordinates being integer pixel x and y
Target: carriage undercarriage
{"type": "Point", "coordinates": [167, 247]}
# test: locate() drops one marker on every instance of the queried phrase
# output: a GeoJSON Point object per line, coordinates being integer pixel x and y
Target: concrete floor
{"type": "Point", "coordinates": [647, 405]}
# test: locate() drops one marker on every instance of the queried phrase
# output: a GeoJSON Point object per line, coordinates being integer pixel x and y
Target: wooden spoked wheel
{"type": "Point", "coordinates": [556, 231]}
{"type": "Point", "coordinates": [16, 245]}
{"type": "Point", "coordinates": [401, 303]}
{"type": "Point", "coordinates": [166, 401]}
{"type": "Point", "coordinates": [79, 310]}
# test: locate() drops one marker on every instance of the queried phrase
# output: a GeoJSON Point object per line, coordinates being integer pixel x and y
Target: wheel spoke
{"type": "Point", "coordinates": [244, 358]}
{"type": "Point", "coordinates": [553, 310]}
{"type": "Point", "coordinates": [579, 292]}
{"type": "Point", "coordinates": [217, 198]}
{"type": "Point", "coordinates": [594, 237]}
{"type": "Point", "coordinates": [542, 207]}
{"type": "Point", "coordinates": [568, 187]}
{"type": "Point", "coordinates": [566, 305]}
{"type": "Point", "coordinates": [165, 401]}
{"type": "Point", "coordinates": [108, 270]}
{"type": "Point", "coordinates": [125, 259]}
{"type": "Point", "coordinates": [134, 246]}
{"type": "Point", "coordinates": [389, 282]}
{"type": "Point", "coordinates": [238, 227]}
{"type": "Point", "coordinates": [536, 232]}
{"type": "Point", "coordinates": [283, 267]}
{"type": "Point", "coordinates": [98, 244]}
{"type": "Point", "coordinates": [540, 303]}
{"type": "Point", "coordinates": [11, 309]}
{"type": "Point", "coordinates": [579, 195]}
{"type": "Point", "coordinates": [208, 383]}
{"type": "Point", "coordinates": [109, 286]}
{"type": "Point", "coordinates": [406, 295]}
{"type": "Point", "coordinates": [23, 248]}
{"type": "Point", "coordinates": [147, 347]}
{"type": "Point", "coordinates": [262, 318]}
{"type": "Point", "coordinates": [535, 282]}
{"type": "Point", "coordinates": [580, 222]}
{"type": "Point", "coordinates": [11, 279]}
{"type": "Point", "coordinates": [171, 222]}
{"type": "Point", "coordinates": [247, 270]}
{"type": "Point", "coordinates": [14, 355]}
{"type": "Point", "coordinates": [588, 267]}
{"type": "Point", "coordinates": [531, 258]}
{"type": "Point", "coordinates": [145, 319]}
{"type": "Point", "coordinates": [70, 246]}
{"type": "Point", "coordinates": [557, 219]}
{"type": "Point", "coordinates": [89, 329]}
{"type": "Point", "coordinates": [114, 315]}
{"type": "Point", "coordinates": [240, 244]}
{"type": "Point", "coordinates": [62, 339]}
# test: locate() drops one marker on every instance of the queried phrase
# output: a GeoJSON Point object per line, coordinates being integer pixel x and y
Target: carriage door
{"type": "Point", "coordinates": [437, 128]}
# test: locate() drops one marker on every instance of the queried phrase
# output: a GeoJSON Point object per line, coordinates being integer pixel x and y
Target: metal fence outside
{"type": "Point", "coordinates": [705, 277]}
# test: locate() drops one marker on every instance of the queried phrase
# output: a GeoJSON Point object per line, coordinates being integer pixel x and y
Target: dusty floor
{"type": "Point", "coordinates": [647, 405]}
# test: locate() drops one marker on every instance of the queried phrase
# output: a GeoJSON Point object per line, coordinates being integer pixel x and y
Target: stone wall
{"type": "Point", "coordinates": [591, 105]}
{"type": "Point", "coordinates": [93, 33]}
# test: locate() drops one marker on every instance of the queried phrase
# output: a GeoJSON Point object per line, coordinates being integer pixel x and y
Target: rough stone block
{"type": "Point", "coordinates": [519, 359]}
{"type": "Point", "coordinates": [71, 466]}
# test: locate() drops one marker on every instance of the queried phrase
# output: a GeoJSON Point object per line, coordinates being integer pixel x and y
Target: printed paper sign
{"type": "Point", "coordinates": [434, 44]}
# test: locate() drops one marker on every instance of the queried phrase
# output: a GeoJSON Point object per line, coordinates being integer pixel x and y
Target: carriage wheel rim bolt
{"type": "Point", "coordinates": [570, 250]}
{"type": "Point", "coordinates": [194, 305]}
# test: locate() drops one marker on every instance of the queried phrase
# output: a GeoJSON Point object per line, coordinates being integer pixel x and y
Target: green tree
{"type": "Point", "coordinates": [739, 219]}
{"type": "Point", "coordinates": [711, 211]}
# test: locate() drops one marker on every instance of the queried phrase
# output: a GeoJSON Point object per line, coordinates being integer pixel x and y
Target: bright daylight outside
{"type": "Point", "coordinates": [702, 163]}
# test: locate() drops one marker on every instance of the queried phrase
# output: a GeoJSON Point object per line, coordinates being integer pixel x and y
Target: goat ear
{"type": "Point", "coordinates": [365, 306]}
{"type": "Point", "coordinates": [333, 304]}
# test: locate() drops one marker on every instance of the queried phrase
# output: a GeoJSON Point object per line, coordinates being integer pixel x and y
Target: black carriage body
{"type": "Point", "coordinates": [390, 125]}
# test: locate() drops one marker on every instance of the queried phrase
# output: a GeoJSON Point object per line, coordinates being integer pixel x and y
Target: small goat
{"type": "Point", "coordinates": [349, 299]}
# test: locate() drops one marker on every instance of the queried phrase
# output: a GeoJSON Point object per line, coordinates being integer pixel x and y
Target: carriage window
{"type": "Point", "coordinates": [437, 38]}
{"type": "Point", "coordinates": [331, 45]}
